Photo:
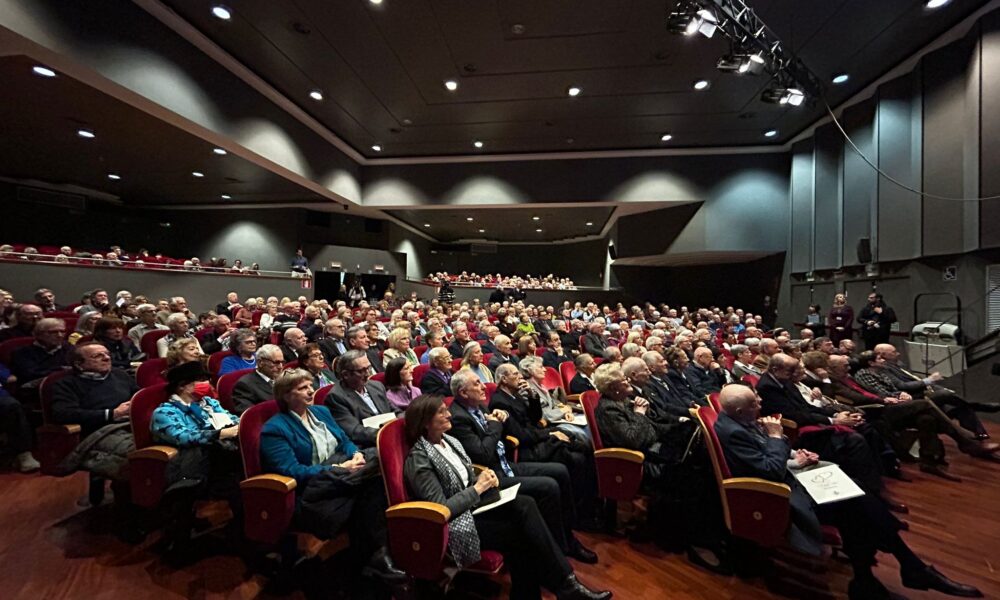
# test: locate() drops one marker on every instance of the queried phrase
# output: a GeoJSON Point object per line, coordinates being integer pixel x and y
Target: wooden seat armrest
{"type": "Point", "coordinates": [756, 484]}
{"type": "Point", "coordinates": [161, 453]}
{"type": "Point", "coordinates": [427, 511]}
{"type": "Point", "coordinates": [574, 398]}
{"type": "Point", "coordinates": [621, 453]}
{"type": "Point", "coordinates": [789, 424]}
{"type": "Point", "coordinates": [269, 481]}
{"type": "Point", "coordinates": [64, 429]}
{"type": "Point", "coordinates": [693, 412]}
{"type": "Point", "coordinates": [513, 441]}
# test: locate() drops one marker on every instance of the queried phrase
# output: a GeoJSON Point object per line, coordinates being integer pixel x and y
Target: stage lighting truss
{"type": "Point", "coordinates": [754, 48]}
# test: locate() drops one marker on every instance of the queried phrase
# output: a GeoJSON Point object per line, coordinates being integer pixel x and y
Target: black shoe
{"type": "Point", "coordinates": [578, 551]}
{"type": "Point", "coordinates": [932, 579]}
{"type": "Point", "coordinates": [381, 567]}
{"type": "Point", "coordinates": [870, 588]}
{"type": "Point", "coordinates": [572, 589]}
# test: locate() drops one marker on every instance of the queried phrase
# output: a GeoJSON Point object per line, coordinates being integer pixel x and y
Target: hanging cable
{"type": "Point", "coordinates": [889, 177]}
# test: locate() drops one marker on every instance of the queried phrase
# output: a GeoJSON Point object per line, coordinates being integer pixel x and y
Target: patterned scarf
{"type": "Point", "coordinates": [463, 539]}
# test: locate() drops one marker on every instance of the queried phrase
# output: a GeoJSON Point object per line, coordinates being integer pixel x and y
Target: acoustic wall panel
{"type": "Point", "coordinates": [827, 198]}
{"type": "Point", "coordinates": [989, 158]}
{"type": "Point", "coordinates": [802, 188]}
{"type": "Point", "coordinates": [860, 180]}
{"type": "Point", "coordinates": [899, 152]}
{"type": "Point", "coordinates": [951, 147]}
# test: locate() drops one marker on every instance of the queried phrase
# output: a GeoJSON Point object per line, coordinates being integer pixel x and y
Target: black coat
{"type": "Point", "coordinates": [251, 389]}
{"type": "Point", "coordinates": [780, 398]}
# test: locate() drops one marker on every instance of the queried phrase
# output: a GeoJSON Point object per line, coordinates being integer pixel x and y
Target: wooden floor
{"type": "Point", "coordinates": [50, 548]}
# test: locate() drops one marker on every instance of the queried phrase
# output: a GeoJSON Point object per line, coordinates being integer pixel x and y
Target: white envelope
{"type": "Point", "coordinates": [378, 420]}
{"type": "Point", "coordinates": [826, 483]}
{"type": "Point", "coordinates": [505, 496]}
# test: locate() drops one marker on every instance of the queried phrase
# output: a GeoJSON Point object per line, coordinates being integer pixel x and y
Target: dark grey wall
{"type": "Point", "coordinates": [202, 291]}
{"type": "Point", "coordinates": [553, 298]}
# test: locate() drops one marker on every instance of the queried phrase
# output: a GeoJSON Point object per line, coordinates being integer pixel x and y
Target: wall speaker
{"type": "Point", "coordinates": [865, 251]}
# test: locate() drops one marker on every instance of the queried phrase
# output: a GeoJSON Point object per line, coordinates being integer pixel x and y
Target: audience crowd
{"type": "Point", "coordinates": [527, 282]}
{"type": "Point", "coordinates": [468, 376]}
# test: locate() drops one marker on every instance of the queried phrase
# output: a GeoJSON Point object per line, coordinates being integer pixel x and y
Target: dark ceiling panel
{"type": "Point", "coordinates": [507, 224]}
{"type": "Point", "coordinates": [155, 160]}
{"type": "Point", "coordinates": [382, 68]}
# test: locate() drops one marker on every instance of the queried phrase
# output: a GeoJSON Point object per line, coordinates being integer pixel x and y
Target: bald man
{"type": "Point", "coordinates": [755, 447]}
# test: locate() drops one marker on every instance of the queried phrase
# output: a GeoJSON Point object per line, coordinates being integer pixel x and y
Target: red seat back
{"type": "Point", "coordinates": [255, 318]}
{"type": "Point", "coordinates": [144, 402]}
{"type": "Point", "coordinates": [708, 416]}
{"type": "Point", "coordinates": [456, 364]}
{"type": "Point", "coordinates": [491, 388]}
{"type": "Point", "coordinates": [419, 351]}
{"type": "Point", "coordinates": [567, 371]}
{"type": "Point", "coordinates": [201, 333]}
{"type": "Point", "coordinates": [598, 360]}
{"type": "Point", "coordinates": [589, 400]}
{"type": "Point", "coordinates": [294, 364]}
{"type": "Point", "coordinates": [379, 377]}
{"type": "Point", "coordinates": [251, 422]}
{"type": "Point", "coordinates": [8, 347]}
{"type": "Point", "coordinates": [45, 392]}
{"type": "Point", "coordinates": [713, 400]}
{"type": "Point", "coordinates": [540, 351]}
{"type": "Point", "coordinates": [418, 374]}
{"type": "Point", "coordinates": [319, 397]}
{"type": "Point", "coordinates": [552, 380]}
{"type": "Point", "coordinates": [392, 452]}
{"type": "Point", "coordinates": [148, 342]}
{"type": "Point", "coordinates": [151, 372]}
{"type": "Point", "coordinates": [750, 380]}
{"type": "Point", "coordinates": [215, 361]}
{"type": "Point", "coordinates": [225, 386]}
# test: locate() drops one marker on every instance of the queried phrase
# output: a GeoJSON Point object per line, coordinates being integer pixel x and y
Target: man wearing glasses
{"type": "Point", "coordinates": [49, 353]}
{"type": "Point", "coordinates": [333, 343]}
{"type": "Point", "coordinates": [356, 398]}
{"type": "Point", "coordinates": [254, 388]}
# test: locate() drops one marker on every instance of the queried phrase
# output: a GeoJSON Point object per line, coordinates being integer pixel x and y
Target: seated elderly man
{"type": "Point", "coordinates": [147, 322]}
{"type": "Point", "coordinates": [27, 316]}
{"type": "Point", "coordinates": [254, 388]}
{"type": "Point", "coordinates": [554, 354]}
{"type": "Point", "coordinates": [457, 346]}
{"type": "Point", "coordinates": [220, 337]}
{"type": "Point", "coordinates": [704, 374]}
{"type": "Point", "coordinates": [293, 340]}
{"type": "Point", "coordinates": [180, 328]}
{"type": "Point", "coordinates": [755, 446]}
{"type": "Point", "coordinates": [46, 299]}
{"type": "Point", "coordinates": [684, 491]}
{"type": "Point", "coordinates": [437, 379]}
{"type": "Point", "coordinates": [333, 343]}
{"type": "Point", "coordinates": [50, 352]}
{"type": "Point", "coordinates": [355, 398]}
{"type": "Point", "coordinates": [357, 339]}
{"type": "Point", "coordinates": [503, 354]}
{"type": "Point", "coordinates": [96, 397]}
{"type": "Point", "coordinates": [658, 389]}
{"type": "Point", "coordinates": [594, 342]}
{"type": "Point", "coordinates": [582, 381]}
{"type": "Point", "coordinates": [481, 432]}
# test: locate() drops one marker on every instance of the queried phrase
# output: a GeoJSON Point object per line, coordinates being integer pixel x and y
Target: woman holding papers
{"type": "Point", "coordinates": [438, 470]}
{"type": "Point", "coordinates": [337, 485]}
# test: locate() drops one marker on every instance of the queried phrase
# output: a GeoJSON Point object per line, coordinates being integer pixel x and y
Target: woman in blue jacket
{"type": "Point", "coordinates": [336, 484]}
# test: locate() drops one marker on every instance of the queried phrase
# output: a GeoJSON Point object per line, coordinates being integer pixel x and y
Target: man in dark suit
{"type": "Point", "coordinates": [293, 340]}
{"type": "Point", "coordinates": [554, 354]}
{"type": "Point", "coordinates": [594, 343]}
{"type": "Point", "coordinates": [218, 339]}
{"type": "Point", "coordinates": [585, 367]}
{"type": "Point", "coordinates": [662, 395]}
{"type": "Point", "coordinates": [755, 447]}
{"type": "Point", "coordinates": [437, 380]}
{"type": "Point", "coordinates": [254, 388]}
{"type": "Point", "coordinates": [876, 320]}
{"type": "Point", "coordinates": [357, 339]}
{"type": "Point", "coordinates": [492, 332]}
{"type": "Point", "coordinates": [482, 434]}
{"type": "Point", "coordinates": [333, 343]}
{"type": "Point", "coordinates": [457, 346]}
{"type": "Point", "coordinates": [503, 355]}
{"type": "Point", "coordinates": [49, 353]}
{"type": "Point", "coordinates": [840, 445]}
{"type": "Point", "coordinates": [704, 374]}
{"type": "Point", "coordinates": [230, 306]}
{"type": "Point", "coordinates": [497, 296]}
{"type": "Point", "coordinates": [356, 398]}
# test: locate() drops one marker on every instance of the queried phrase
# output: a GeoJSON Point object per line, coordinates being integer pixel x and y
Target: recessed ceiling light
{"type": "Point", "coordinates": [451, 85]}
{"type": "Point", "coordinates": [536, 218]}
{"type": "Point", "coordinates": [43, 71]}
{"type": "Point", "coordinates": [427, 224]}
{"type": "Point", "coordinates": [375, 2]}
{"type": "Point", "coordinates": [771, 133]}
{"type": "Point", "coordinates": [482, 231]}
{"type": "Point", "coordinates": [666, 137]}
{"type": "Point", "coordinates": [377, 147]}
{"type": "Point", "coordinates": [316, 95]}
{"type": "Point", "coordinates": [197, 173]}
{"type": "Point", "coordinates": [468, 218]}
{"type": "Point", "coordinates": [226, 197]}
{"type": "Point", "coordinates": [589, 224]}
{"type": "Point", "coordinates": [538, 230]}
{"type": "Point", "coordinates": [477, 144]}
{"type": "Point", "coordinates": [932, 4]}
{"type": "Point", "coordinates": [222, 12]}
{"type": "Point", "coordinates": [219, 151]}
{"type": "Point", "coordinates": [841, 78]}
{"type": "Point", "coordinates": [701, 84]}
{"type": "Point", "coordinates": [114, 176]}
{"type": "Point", "coordinates": [85, 133]}
{"type": "Point", "coordinates": [574, 91]}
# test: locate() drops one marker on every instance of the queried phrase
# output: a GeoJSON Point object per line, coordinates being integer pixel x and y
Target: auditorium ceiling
{"type": "Point", "coordinates": [381, 68]}
{"type": "Point", "coordinates": [154, 161]}
{"type": "Point", "coordinates": [509, 224]}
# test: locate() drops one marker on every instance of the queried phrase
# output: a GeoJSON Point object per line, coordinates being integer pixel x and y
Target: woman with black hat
{"type": "Point", "coordinates": [186, 420]}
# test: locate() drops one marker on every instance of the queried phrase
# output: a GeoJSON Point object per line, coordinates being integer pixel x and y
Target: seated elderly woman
{"type": "Point", "coordinates": [437, 380]}
{"type": "Point", "coordinates": [472, 359]}
{"type": "Point", "coordinates": [398, 345]}
{"type": "Point", "coordinates": [438, 470]}
{"type": "Point", "coordinates": [244, 316]}
{"type": "Point", "coordinates": [685, 506]}
{"type": "Point", "coordinates": [84, 326]}
{"type": "Point", "coordinates": [311, 359]}
{"type": "Point", "coordinates": [526, 345]}
{"type": "Point", "coordinates": [187, 350]}
{"type": "Point", "coordinates": [110, 332]}
{"type": "Point", "coordinates": [179, 328]}
{"type": "Point", "coordinates": [243, 346]}
{"type": "Point", "coordinates": [337, 485]}
{"type": "Point", "coordinates": [554, 407]}
{"type": "Point", "coordinates": [399, 388]}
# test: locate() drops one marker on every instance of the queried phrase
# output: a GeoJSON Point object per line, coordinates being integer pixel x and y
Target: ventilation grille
{"type": "Point", "coordinates": [993, 301]}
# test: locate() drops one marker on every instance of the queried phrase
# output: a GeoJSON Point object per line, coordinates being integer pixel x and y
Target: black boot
{"type": "Point", "coordinates": [572, 589]}
{"type": "Point", "coordinates": [381, 566]}
{"type": "Point", "coordinates": [932, 579]}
